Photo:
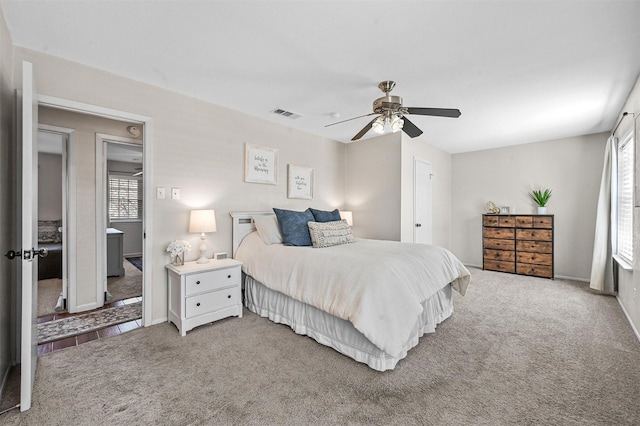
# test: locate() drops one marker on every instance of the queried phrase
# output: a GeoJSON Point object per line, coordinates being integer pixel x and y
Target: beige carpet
{"type": "Point", "coordinates": [517, 351]}
{"type": "Point", "coordinates": [125, 287]}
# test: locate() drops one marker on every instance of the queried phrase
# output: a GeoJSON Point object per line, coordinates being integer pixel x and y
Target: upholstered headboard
{"type": "Point", "coordinates": [242, 226]}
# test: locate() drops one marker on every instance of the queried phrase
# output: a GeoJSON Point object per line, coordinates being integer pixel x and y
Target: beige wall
{"type": "Point", "coordinates": [373, 180]}
{"type": "Point", "coordinates": [571, 167]}
{"type": "Point", "coordinates": [49, 186]}
{"type": "Point", "coordinates": [7, 170]}
{"type": "Point", "coordinates": [199, 148]}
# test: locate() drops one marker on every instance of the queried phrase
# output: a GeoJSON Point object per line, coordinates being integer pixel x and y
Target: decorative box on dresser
{"type": "Point", "coordinates": [203, 293]}
{"type": "Point", "coordinates": [519, 244]}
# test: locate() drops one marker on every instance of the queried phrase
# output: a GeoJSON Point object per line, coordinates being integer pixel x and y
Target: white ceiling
{"type": "Point", "coordinates": [520, 71]}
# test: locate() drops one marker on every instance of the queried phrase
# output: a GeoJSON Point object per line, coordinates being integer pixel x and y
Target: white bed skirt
{"type": "Point", "coordinates": [337, 333]}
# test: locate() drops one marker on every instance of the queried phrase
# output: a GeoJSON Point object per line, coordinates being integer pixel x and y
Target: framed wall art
{"type": "Point", "coordinates": [260, 164]}
{"type": "Point", "coordinates": [300, 182]}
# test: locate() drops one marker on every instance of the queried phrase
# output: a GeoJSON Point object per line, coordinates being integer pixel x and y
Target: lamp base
{"type": "Point", "coordinates": [203, 250]}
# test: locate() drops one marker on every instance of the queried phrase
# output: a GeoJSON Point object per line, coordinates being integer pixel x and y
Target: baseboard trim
{"type": "Point", "coordinates": [626, 314]}
{"type": "Point", "coordinates": [564, 277]}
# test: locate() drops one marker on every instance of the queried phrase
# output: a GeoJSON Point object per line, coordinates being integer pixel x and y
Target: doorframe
{"type": "Point", "coordinates": [102, 140]}
{"type": "Point", "coordinates": [69, 213]}
{"type": "Point", "coordinates": [147, 141]}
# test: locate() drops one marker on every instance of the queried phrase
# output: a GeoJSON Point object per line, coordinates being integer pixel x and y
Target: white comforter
{"type": "Point", "coordinates": [378, 286]}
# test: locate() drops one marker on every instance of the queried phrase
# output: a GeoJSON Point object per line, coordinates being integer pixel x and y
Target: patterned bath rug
{"type": "Point", "coordinates": [72, 326]}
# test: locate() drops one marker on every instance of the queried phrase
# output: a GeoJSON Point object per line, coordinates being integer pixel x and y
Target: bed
{"type": "Point", "coordinates": [370, 300]}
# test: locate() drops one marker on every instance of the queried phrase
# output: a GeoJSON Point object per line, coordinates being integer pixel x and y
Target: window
{"type": "Point", "coordinates": [625, 179]}
{"type": "Point", "coordinates": [125, 197]}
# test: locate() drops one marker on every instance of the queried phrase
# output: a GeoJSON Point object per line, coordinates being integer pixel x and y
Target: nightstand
{"type": "Point", "coordinates": [203, 293]}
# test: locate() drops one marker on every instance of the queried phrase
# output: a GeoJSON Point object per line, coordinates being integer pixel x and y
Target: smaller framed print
{"type": "Point", "coordinates": [260, 164]}
{"type": "Point", "coordinates": [300, 182]}
{"type": "Point", "coordinates": [504, 210]}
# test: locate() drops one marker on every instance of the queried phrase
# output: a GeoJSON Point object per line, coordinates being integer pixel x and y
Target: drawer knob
{"type": "Point", "coordinates": [198, 304]}
{"type": "Point", "coordinates": [228, 276]}
{"type": "Point", "coordinates": [197, 282]}
{"type": "Point", "coordinates": [229, 297]}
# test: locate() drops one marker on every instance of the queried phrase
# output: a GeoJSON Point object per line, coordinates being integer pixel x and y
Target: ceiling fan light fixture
{"type": "Point", "coordinates": [396, 123]}
{"type": "Point", "coordinates": [378, 125]}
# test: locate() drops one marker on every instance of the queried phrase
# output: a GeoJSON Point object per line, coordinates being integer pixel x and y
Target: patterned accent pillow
{"type": "Point", "coordinates": [327, 234]}
{"type": "Point", "coordinates": [48, 231]}
{"type": "Point", "coordinates": [325, 216]}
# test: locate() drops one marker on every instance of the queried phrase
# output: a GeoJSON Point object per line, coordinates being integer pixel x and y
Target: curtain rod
{"type": "Point", "coordinates": [624, 114]}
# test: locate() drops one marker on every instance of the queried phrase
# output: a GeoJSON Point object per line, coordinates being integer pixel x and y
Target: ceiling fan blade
{"type": "Point", "coordinates": [349, 119]}
{"type": "Point", "coordinates": [438, 112]}
{"type": "Point", "coordinates": [410, 129]}
{"type": "Point", "coordinates": [364, 130]}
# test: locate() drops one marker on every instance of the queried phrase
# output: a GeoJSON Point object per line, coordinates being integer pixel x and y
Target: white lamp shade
{"type": "Point", "coordinates": [202, 221]}
{"type": "Point", "coordinates": [348, 216]}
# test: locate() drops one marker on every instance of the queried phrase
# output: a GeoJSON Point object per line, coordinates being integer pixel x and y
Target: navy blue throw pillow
{"type": "Point", "coordinates": [324, 216]}
{"type": "Point", "coordinates": [293, 226]}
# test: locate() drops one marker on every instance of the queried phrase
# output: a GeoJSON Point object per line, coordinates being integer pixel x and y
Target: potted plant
{"type": "Point", "coordinates": [541, 198]}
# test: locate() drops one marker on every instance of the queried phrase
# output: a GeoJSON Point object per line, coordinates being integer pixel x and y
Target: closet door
{"type": "Point", "coordinates": [422, 202]}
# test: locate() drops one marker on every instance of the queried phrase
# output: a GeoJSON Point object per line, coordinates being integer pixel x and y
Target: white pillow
{"type": "Point", "coordinates": [268, 228]}
{"type": "Point", "coordinates": [327, 234]}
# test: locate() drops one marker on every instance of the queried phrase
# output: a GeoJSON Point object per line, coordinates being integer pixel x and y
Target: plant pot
{"type": "Point", "coordinates": [542, 210]}
{"type": "Point", "coordinates": [179, 259]}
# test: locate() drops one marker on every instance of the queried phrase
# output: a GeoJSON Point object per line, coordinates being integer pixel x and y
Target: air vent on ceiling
{"type": "Point", "coordinates": [285, 113]}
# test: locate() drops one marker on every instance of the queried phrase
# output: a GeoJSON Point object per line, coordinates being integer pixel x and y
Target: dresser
{"type": "Point", "coordinates": [115, 255]}
{"type": "Point", "coordinates": [203, 293]}
{"type": "Point", "coordinates": [518, 244]}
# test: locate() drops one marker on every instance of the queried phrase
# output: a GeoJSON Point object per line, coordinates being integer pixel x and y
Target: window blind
{"type": "Point", "coordinates": [625, 198]}
{"type": "Point", "coordinates": [125, 198]}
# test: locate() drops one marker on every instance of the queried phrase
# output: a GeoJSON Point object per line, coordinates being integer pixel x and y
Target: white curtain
{"type": "Point", "coordinates": [601, 265]}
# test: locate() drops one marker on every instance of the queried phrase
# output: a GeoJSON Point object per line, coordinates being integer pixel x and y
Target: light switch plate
{"type": "Point", "coordinates": [160, 193]}
{"type": "Point", "coordinates": [175, 193]}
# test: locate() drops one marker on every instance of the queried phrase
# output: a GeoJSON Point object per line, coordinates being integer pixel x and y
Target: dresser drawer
{"type": "Point", "coordinates": [490, 220]}
{"type": "Point", "coordinates": [209, 302]}
{"type": "Point", "coordinates": [537, 258]}
{"type": "Point", "coordinates": [499, 233]}
{"type": "Point", "coordinates": [500, 266]}
{"type": "Point", "coordinates": [212, 280]}
{"type": "Point", "coordinates": [493, 243]}
{"type": "Point", "coordinates": [503, 255]}
{"type": "Point", "coordinates": [543, 222]}
{"type": "Point", "coordinates": [534, 234]}
{"type": "Point", "coordinates": [535, 246]}
{"type": "Point", "coordinates": [543, 271]}
{"type": "Point", "coordinates": [524, 221]}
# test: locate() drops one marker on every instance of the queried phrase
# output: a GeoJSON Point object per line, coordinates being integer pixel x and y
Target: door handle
{"type": "Point", "coordinates": [12, 254]}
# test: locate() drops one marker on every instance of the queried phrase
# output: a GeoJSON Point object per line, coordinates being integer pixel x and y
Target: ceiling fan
{"type": "Point", "coordinates": [390, 110]}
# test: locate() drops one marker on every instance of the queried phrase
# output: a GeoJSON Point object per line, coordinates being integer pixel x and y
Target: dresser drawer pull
{"type": "Point", "coordinates": [197, 282]}
{"type": "Point", "coordinates": [228, 276]}
{"type": "Point", "coordinates": [229, 297]}
{"type": "Point", "coordinates": [198, 304]}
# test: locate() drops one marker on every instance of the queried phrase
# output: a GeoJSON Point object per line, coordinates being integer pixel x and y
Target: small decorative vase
{"type": "Point", "coordinates": [179, 259]}
{"type": "Point", "coordinates": [542, 210]}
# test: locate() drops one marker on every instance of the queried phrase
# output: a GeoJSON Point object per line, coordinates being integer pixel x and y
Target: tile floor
{"type": "Point", "coordinates": [113, 330]}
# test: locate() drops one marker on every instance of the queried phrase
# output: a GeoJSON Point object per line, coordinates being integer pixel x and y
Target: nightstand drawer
{"type": "Point", "coordinates": [212, 280]}
{"type": "Point", "coordinates": [210, 302]}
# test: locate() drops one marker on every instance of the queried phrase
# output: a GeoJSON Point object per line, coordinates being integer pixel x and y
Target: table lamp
{"type": "Point", "coordinates": [202, 221]}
